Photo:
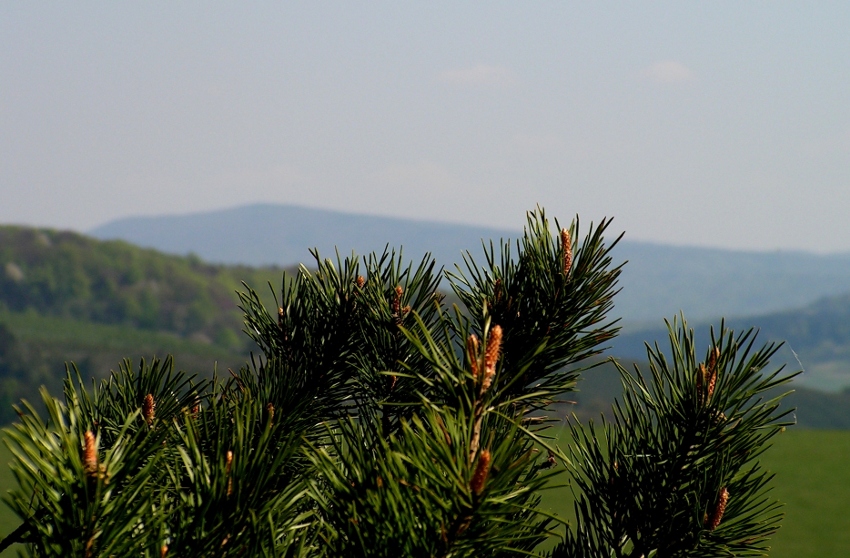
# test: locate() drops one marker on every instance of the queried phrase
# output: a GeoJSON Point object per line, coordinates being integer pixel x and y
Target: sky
{"type": "Point", "coordinates": [720, 124]}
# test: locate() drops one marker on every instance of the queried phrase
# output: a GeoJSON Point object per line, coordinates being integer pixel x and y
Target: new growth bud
{"type": "Point", "coordinates": [707, 377]}
{"type": "Point", "coordinates": [228, 464]}
{"type": "Point", "coordinates": [90, 454]}
{"type": "Point", "coordinates": [491, 356]}
{"type": "Point", "coordinates": [397, 300]}
{"type": "Point", "coordinates": [149, 409]}
{"type": "Point", "coordinates": [472, 353]}
{"type": "Point", "coordinates": [712, 370]}
{"type": "Point", "coordinates": [482, 469]}
{"type": "Point", "coordinates": [567, 247]}
{"type": "Point", "coordinates": [713, 521]}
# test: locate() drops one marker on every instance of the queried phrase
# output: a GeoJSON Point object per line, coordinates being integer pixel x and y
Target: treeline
{"type": "Point", "coordinates": [60, 273]}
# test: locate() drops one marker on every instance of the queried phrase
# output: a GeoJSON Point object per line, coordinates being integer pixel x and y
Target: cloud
{"type": "Point", "coordinates": [481, 74]}
{"type": "Point", "coordinates": [669, 71]}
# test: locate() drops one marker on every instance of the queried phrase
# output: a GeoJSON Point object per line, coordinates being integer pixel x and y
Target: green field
{"type": "Point", "coordinates": [812, 478]}
{"type": "Point", "coordinates": [8, 520]}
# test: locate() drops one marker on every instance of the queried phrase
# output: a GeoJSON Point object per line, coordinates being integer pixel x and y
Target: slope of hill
{"type": "Point", "coordinates": [34, 350]}
{"type": "Point", "coordinates": [813, 408]}
{"type": "Point", "coordinates": [65, 297]}
{"type": "Point", "coordinates": [65, 274]}
{"type": "Point", "coordinates": [658, 282]}
{"type": "Point", "coordinates": [816, 337]}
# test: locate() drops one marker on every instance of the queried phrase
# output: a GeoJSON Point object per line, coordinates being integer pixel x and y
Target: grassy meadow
{"type": "Point", "coordinates": [812, 478]}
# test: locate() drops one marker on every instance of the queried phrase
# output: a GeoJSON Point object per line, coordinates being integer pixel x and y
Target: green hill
{"type": "Point", "coordinates": [34, 350]}
{"type": "Point", "coordinates": [814, 409]}
{"type": "Point", "coordinates": [65, 274]}
{"type": "Point", "coordinates": [817, 339]}
{"type": "Point", "coordinates": [65, 297]}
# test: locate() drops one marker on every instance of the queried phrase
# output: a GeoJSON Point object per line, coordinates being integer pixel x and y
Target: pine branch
{"type": "Point", "coordinates": [20, 535]}
{"type": "Point", "coordinates": [377, 422]}
{"type": "Point", "coordinates": [679, 475]}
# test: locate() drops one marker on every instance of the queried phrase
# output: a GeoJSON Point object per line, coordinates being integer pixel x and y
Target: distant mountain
{"type": "Point", "coordinates": [816, 336]}
{"type": "Point", "coordinates": [283, 234]}
{"type": "Point", "coordinates": [658, 282]}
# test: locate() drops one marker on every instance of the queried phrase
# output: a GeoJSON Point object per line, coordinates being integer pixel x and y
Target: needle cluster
{"type": "Point", "coordinates": [377, 420]}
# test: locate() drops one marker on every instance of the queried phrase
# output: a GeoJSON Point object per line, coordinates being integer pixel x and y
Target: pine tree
{"type": "Point", "coordinates": [377, 421]}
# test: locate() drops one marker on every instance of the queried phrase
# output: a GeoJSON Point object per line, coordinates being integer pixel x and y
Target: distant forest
{"type": "Point", "coordinates": [67, 297]}
{"type": "Point", "coordinates": [65, 274]}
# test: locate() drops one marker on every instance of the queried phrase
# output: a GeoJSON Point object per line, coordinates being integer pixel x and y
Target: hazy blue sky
{"type": "Point", "coordinates": [710, 123]}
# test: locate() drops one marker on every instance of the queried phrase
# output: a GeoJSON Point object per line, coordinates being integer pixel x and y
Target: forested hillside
{"type": "Point", "coordinates": [64, 274]}
{"type": "Point", "coordinates": [813, 408]}
{"type": "Point", "coordinates": [816, 337]}
{"type": "Point", "coordinates": [68, 298]}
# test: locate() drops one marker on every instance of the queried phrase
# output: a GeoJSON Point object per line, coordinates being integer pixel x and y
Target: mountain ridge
{"type": "Point", "coordinates": [659, 281]}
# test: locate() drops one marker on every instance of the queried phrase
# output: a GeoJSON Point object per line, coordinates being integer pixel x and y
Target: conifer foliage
{"type": "Point", "coordinates": [377, 421]}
